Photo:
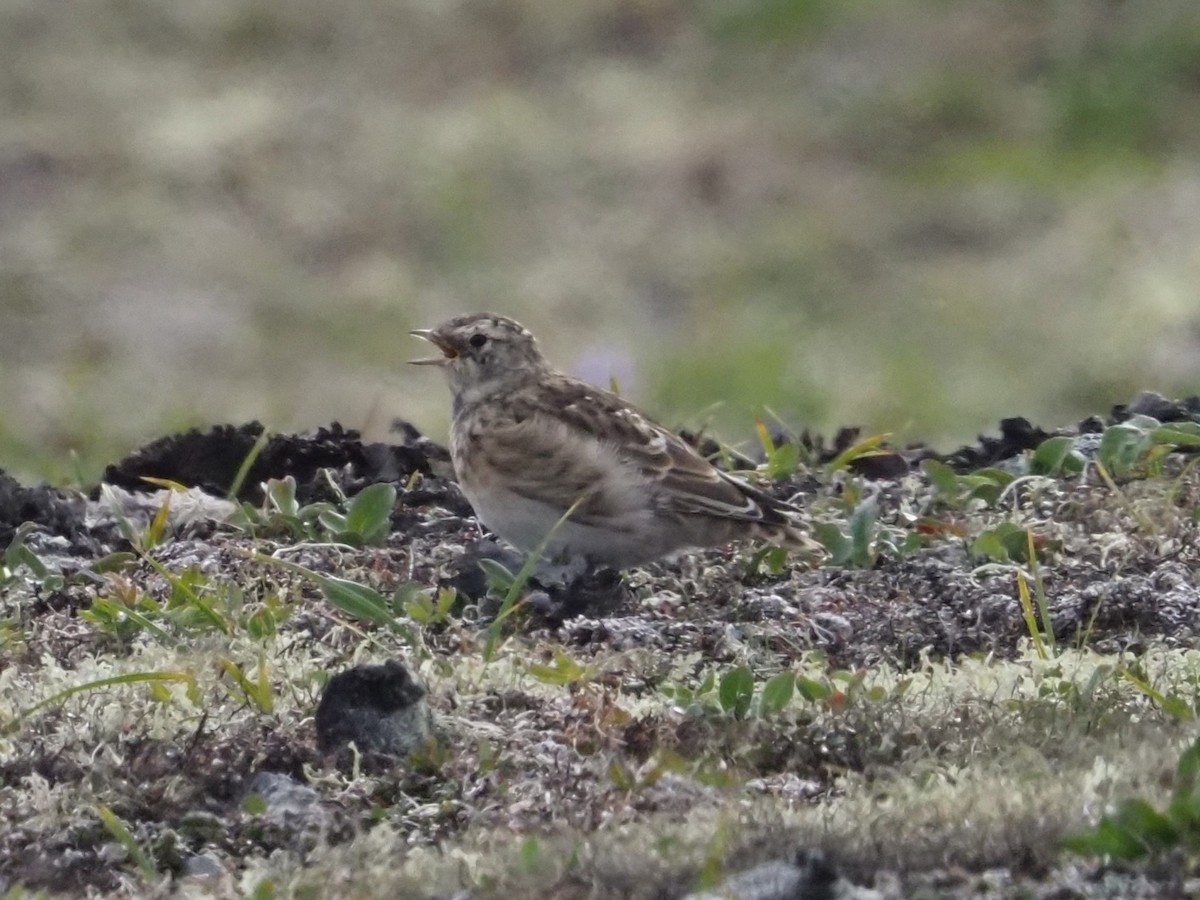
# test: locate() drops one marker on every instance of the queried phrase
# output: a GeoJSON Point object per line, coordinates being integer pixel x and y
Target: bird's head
{"type": "Point", "coordinates": [483, 354]}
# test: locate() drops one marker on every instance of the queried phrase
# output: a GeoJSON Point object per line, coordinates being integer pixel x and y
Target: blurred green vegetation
{"type": "Point", "coordinates": [913, 215]}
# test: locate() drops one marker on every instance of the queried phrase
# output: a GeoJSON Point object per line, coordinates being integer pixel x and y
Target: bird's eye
{"type": "Point", "coordinates": [477, 340]}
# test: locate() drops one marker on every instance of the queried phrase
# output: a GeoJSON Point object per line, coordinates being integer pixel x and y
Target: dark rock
{"type": "Point", "coordinates": [1016, 436]}
{"type": "Point", "coordinates": [1156, 406]}
{"type": "Point", "coordinates": [54, 511]}
{"type": "Point", "coordinates": [809, 877]}
{"type": "Point", "coordinates": [380, 708]}
{"type": "Point", "coordinates": [211, 461]}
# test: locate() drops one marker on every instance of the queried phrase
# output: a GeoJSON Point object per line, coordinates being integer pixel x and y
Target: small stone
{"type": "Point", "coordinates": [289, 804]}
{"type": "Point", "coordinates": [810, 877]}
{"type": "Point", "coordinates": [203, 866]}
{"type": "Point", "coordinates": [381, 709]}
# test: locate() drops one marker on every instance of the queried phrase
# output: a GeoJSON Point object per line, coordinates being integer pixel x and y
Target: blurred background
{"type": "Point", "coordinates": [914, 215]}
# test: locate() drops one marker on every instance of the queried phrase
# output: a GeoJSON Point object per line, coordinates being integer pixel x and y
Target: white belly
{"type": "Point", "coordinates": [525, 524]}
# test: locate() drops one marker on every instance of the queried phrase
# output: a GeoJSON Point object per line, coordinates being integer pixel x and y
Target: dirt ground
{"type": "Point", "coordinates": [623, 736]}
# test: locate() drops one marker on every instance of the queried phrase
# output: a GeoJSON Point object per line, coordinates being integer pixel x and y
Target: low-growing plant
{"type": "Point", "coordinates": [358, 601]}
{"type": "Point", "coordinates": [366, 520]}
{"type": "Point", "coordinates": [710, 770]}
{"type": "Point", "coordinates": [154, 679]}
{"type": "Point", "coordinates": [196, 604]}
{"type": "Point", "coordinates": [1056, 457]}
{"type": "Point", "coordinates": [1173, 704]}
{"type": "Point", "coordinates": [1037, 622]}
{"type": "Point", "coordinates": [140, 858]}
{"type": "Point", "coordinates": [781, 459]}
{"type": "Point", "coordinates": [1137, 446]}
{"type": "Point", "coordinates": [1006, 542]}
{"type": "Point", "coordinates": [563, 671]}
{"type": "Point", "coordinates": [737, 694]}
{"type": "Point", "coordinates": [985, 486]}
{"type": "Point", "coordinates": [867, 447]}
{"type": "Point", "coordinates": [1137, 829]}
{"type": "Point", "coordinates": [20, 561]}
{"type": "Point", "coordinates": [143, 539]}
{"type": "Point", "coordinates": [424, 606]}
{"type": "Point", "coordinates": [1134, 448]}
{"type": "Point", "coordinates": [773, 559]}
{"type": "Point", "coordinates": [256, 691]}
{"type": "Point", "coordinates": [626, 779]}
{"type": "Point", "coordinates": [864, 539]}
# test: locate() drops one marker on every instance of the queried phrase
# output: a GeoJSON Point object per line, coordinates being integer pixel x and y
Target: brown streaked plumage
{"type": "Point", "coordinates": [527, 442]}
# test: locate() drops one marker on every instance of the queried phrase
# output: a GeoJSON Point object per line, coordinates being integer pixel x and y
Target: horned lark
{"type": "Point", "coordinates": [528, 443]}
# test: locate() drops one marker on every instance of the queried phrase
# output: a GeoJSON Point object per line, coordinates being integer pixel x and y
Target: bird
{"type": "Point", "coordinates": [555, 465]}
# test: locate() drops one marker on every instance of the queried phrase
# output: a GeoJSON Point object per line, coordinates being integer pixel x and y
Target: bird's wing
{"type": "Point", "coordinates": [536, 459]}
{"type": "Point", "coordinates": [566, 451]}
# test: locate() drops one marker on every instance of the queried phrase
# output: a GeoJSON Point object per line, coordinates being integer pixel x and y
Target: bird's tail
{"type": "Point", "coordinates": [790, 535]}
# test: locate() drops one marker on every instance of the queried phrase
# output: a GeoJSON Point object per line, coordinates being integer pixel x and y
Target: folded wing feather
{"type": "Point", "coordinates": [557, 456]}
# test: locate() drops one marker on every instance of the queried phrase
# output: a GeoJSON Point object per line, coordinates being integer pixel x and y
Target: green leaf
{"type": "Point", "coordinates": [262, 624]}
{"type": "Point", "coordinates": [114, 562]}
{"type": "Point", "coordinates": [1121, 447]}
{"type": "Point", "coordinates": [564, 671]}
{"type": "Point", "coordinates": [281, 494]}
{"type": "Point", "coordinates": [736, 690]}
{"type": "Point", "coordinates": [446, 599]}
{"type": "Point", "coordinates": [1007, 541]}
{"type": "Point", "coordinates": [1179, 707]}
{"type": "Point", "coordinates": [866, 447]}
{"type": "Point", "coordinates": [529, 855]}
{"type": "Point", "coordinates": [862, 532]}
{"type": "Point", "coordinates": [774, 559]}
{"type": "Point", "coordinates": [1188, 768]}
{"type": "Point", "coordinates": [357, 600]}
{"type": "Point", "coordinates": [1136, 830]}
{"type": "Point", "coordinates": [157, 529]}
{"type": "Point", "coordinates": [835, 541]}
{"type": "Point", "coordinates": [784, 461]}
{"type": "Point", "coordinates": [114, 826]}
{"type": "Point", "coordinates": [942, 477]}
{"type": "Point", "coordinates": [1184, 808]}
{"type": "Point", "coordinates": [258, 691]}
{"type": "Point", "coordinates": [244, 469]}
{"type": "Point", "coordinates": [499, 579]}
{"type": "Point", "coordinates": [987, 485]}
{"type": "Point", "coordinates": [1051, 455]}
{"type": "Point", "coordinates": [621, 775]}
{"type": "Point", "coordinates": [338, 525]}
{"type": "Point", "coordinates": [1108, 840]}
{"type": "Point", "coordinates": [1147, 825]}
{"type": "Point", "coordinates": [1180, 434]}
{"type": "Point", "coordinates": [18, 554]}
{"type": "Point", "coordinates": [777, 693]}
{"type": "Point", "coordinates": [813, 691]}
{"type": "Point", "coordinates": [370, 513]}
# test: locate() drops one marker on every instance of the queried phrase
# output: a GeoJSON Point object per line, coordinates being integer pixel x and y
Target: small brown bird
{"type": "Point", "coordinates": [528, 443]}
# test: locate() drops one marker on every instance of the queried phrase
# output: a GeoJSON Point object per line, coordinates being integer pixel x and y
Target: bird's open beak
{"type": "Point", "coordinates": [448, 353]}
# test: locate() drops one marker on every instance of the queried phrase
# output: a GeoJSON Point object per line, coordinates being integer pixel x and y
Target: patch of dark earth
{"type": "Point", "coordinates": [1107, 579]}
{"type": "Point", "coordinates": [1119, 566]}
